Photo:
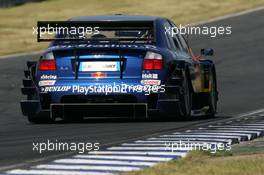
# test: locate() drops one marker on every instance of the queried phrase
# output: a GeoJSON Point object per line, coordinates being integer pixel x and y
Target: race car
{"type": "Point", "coordinates": [126, 66]}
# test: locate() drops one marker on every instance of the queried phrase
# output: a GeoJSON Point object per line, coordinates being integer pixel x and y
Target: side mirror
{"type": "Point", "coordinates": [207, 52]}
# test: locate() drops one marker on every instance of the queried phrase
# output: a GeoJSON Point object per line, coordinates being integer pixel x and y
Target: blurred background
{"type": "Point", "coordinates": [18, 17]}
{"type": "Point", "coordinates": [10, 3]}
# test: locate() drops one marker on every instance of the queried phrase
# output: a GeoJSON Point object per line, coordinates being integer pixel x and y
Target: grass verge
{"type": "Point", "coordinates": [16, 23]}
{"type": "Point", "coordinates": [244, 159]}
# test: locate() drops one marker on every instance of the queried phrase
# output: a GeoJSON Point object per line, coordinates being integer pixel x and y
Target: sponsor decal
{"type": "Point", "coordinates": [150, 82]}
{"type": "Point", "coordinates": [149, 76]}
{"type": "Point", "coordinates": [56, 89]}
{"type": "Point", "coordinates": [47, 82]}
{"type": "Point", "coordinates": [104, 46]}
{"type": "Point", "coordinates": [107, 89]}
{"type": "Point", "coordinates": [48, 77]}
{"type": "Point", "coordinates": [99, 66]}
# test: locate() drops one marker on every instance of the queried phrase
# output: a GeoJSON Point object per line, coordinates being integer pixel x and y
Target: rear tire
{"type": "Point", "coordinates": [186, 98]}
{"type": "Point", "coordinates": [35, 119]}
{"type": "Point", "coordinates": [213, 96]}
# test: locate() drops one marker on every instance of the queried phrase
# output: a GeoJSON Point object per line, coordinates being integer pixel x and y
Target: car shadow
{"type": "Point", "coordinates": [137, 120]}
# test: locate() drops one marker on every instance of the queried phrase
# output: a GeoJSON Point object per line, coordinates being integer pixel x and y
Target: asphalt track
{"type": "Point", "coordinates": [239, 61]}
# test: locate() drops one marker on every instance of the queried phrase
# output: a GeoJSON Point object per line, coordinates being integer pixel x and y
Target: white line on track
{"type": "Point", "coordinates": [122, 157]}
{"type": "Point", "coordinates": [194, 136]}
{"type": "Point", "coordinates": [144, 148]}
{"type": "Point", "coordinates": [164, 141]}
{"type": "Point", "coordinates": [114, 162]}
{"type": "Point", "coordinates": [144, 144]}
{"type": "Point", "coordinates": [198, 135]}
{"type": "Point", "coordinates": [52, 172]}
{"type": "Point", "coordinates": [227, 134]}
{"type": "Point", "coordinates": [192, 139]}
{"type": "Point", "coordinates": [90, 167]}
{"type": "Point", "coordinates": [227, 131]}
{"type": "Point", "coordinates": [236, 126]}
{"type": "Point", "coordinates": [157, 153]}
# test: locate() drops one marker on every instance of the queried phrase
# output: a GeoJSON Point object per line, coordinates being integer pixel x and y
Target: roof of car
{"type": "Point", "coordinates": [115, 18]}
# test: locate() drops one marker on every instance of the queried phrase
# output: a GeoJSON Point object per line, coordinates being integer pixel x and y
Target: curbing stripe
{"type": "Point", "coordinates": [238, 126]}
{"type": "Point", "coordinates": [83, 167]}
{"type": "Point", "coordinates": [193, 139]}
{"type": "Point", "coordinates": [163, 148]}
{"type": "Point", "coordinates": [52, 172]}
{"type": "Point", "coordinates": [127, 157]}
{"type": "Point", "coordinates": [94, 164]}
{"type": "Point", "coordinates": [114, 162]}
{"type": "Point", "coordinates": [198, 135]}
{"type": "Point", "coordinates": [256, 133]}
{"type": "Point", "coordinates": [242, 135]}
{"type": "Point", "coordinates": [165, 141]}
{"type": "Point", "coordinates": [145, 153]}
{"type": "Point", "coordinates": [148, 153]}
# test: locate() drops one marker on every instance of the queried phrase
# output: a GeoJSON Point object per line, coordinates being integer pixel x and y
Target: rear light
{"type": "Point", "coordinates": [47, 65]}
{"type": "Point", "coordinates": [153, 61]}
{"type": "Point", "coordinates": [98, 75]}
{"type": "Point", "coordinates": [47, 62]}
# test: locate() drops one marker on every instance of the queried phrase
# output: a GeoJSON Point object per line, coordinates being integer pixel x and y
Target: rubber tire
{"type": "Point", "coordinates": [212, 98]}
{"type": "Point", "coordinates": [186, 98]}
{"type": "Point", "coordinates": [34, 119]}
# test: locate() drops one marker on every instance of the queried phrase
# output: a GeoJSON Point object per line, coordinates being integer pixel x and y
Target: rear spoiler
{"type": "Point", "coordinates": [118, 26]}
{"type": "Point", "coordinates": [102, 25]}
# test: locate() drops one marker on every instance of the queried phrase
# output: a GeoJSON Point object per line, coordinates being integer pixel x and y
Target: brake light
{"type": "Point", "coordinates": [153, 61]}
{"type": "Point", "coordinates": [47, 65]}
{"type": "Point", "coordinates": [47, 62]}
{"type": "Point", "coordinates": [98, 75]}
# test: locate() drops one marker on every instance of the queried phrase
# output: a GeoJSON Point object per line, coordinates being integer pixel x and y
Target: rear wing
{"type": "Point", "coordinates": [128, 31]}
{"type": "Point", "coordinates": [55, 31]}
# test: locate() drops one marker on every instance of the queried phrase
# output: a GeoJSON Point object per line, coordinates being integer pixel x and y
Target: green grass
{"type": "Point", "coordinates": [244, 159]}
{"type": "Point", "coordinates": [202, 163]}
{"type": "Point", "coordinates": [16, 23]}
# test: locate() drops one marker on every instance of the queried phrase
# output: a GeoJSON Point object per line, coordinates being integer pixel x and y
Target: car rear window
{"type": "Point", "coordinates": [102, 32]}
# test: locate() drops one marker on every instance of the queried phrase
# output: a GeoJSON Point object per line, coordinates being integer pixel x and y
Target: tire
{"type": "Point", "coordinates": [186, 98]}
{"type": "Point", "coordinates": [32, 119]}
{"type": "Point", "coordinates": [213, 96]}
{"type": "Point", "coordinates": [35, 119]}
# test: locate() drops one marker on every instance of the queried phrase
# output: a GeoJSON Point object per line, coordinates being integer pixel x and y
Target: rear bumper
{"type": "Point", "coordinates": [104, 87]}
{"type": "Point", "coordinates": [92, 110]}
{"type": "Point", "coordinates": [66, 103]}
{"type": "Point", "coordinates": [32, 108]}
{"type": "Point", "coordinates": [97, 110]}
